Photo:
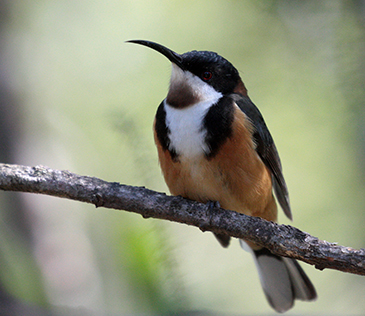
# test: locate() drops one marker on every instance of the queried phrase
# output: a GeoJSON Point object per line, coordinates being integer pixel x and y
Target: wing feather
{"type": "Point", "coordinates": [266, 149]}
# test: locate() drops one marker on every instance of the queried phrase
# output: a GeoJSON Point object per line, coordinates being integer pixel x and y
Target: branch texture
{"type": "Point", "coordinates": [282, 240]}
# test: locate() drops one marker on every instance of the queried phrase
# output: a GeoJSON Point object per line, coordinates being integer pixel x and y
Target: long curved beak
{"type": "Point", "coordinates": [168, 53]}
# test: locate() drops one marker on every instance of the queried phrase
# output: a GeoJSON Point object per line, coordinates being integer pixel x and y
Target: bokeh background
{"type": "Point", "coordinates": [74, 96]}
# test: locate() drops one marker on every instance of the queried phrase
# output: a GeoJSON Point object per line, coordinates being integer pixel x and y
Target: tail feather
{"type": "Point", "coordinates": [282, 279]}
{"type": "Point", "coordinates": [303, 287]}
{"type": "Point", "coordinates": [276, 282]}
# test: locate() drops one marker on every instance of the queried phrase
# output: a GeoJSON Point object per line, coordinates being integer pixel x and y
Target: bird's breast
{"type": "Point", "coordinates": [235, 175]}
{"type": "Point", "coordinates": [186, 132]}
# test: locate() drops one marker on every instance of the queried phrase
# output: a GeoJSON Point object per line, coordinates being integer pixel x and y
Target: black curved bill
{"type": "Point", "coordinates": [168, 53]}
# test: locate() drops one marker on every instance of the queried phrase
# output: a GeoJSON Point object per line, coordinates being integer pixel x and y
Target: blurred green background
{"type": "Point", "coordinates": [74, 96]}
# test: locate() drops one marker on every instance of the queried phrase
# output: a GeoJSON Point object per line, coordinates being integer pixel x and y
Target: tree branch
{"type": "Point", "coordinates": [282, 240]}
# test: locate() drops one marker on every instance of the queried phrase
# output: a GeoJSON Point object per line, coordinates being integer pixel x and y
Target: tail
{"type": "Point", "coordinates": [283, 280]}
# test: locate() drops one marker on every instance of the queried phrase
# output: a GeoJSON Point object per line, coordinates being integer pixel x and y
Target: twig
{"type": "Point", "coordinates": [282, 240]}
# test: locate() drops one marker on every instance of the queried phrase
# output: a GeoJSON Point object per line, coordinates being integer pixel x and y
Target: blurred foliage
{"type": "Point", "coordinates": [86, 102]}
{"type": "Point", "coordinates": [151, 271]}
{"type": "Point", "coordinates": [19, 273]}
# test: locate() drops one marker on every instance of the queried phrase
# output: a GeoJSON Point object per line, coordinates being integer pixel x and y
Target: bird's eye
{"type": "Point", "coordinates": [207, 75]}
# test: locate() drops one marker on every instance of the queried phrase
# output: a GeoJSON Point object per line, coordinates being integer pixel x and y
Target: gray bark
{"type": "Point", "coordinates": [283, 240]}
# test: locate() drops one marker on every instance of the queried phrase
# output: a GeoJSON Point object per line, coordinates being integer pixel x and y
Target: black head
{"type": "Point", "coordinates": [210, 67]}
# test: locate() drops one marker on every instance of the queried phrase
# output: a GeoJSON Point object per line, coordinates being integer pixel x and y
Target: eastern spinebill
{"type": "Point", "coordinates": [214, 146]}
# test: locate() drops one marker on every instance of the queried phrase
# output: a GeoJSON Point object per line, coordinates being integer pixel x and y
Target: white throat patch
{"type": "Point", "coordinates": [187, 134]}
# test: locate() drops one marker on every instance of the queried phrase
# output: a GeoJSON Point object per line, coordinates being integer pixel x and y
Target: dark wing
{"type": "Point", "coordinates": [266, 149]}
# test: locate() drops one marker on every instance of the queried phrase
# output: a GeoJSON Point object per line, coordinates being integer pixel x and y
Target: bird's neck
{"type": "Point", "coordinates": [197, 131]}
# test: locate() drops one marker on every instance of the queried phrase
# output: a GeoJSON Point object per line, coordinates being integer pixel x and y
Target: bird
{"type": "Point", "coordinates": [214, 147]}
